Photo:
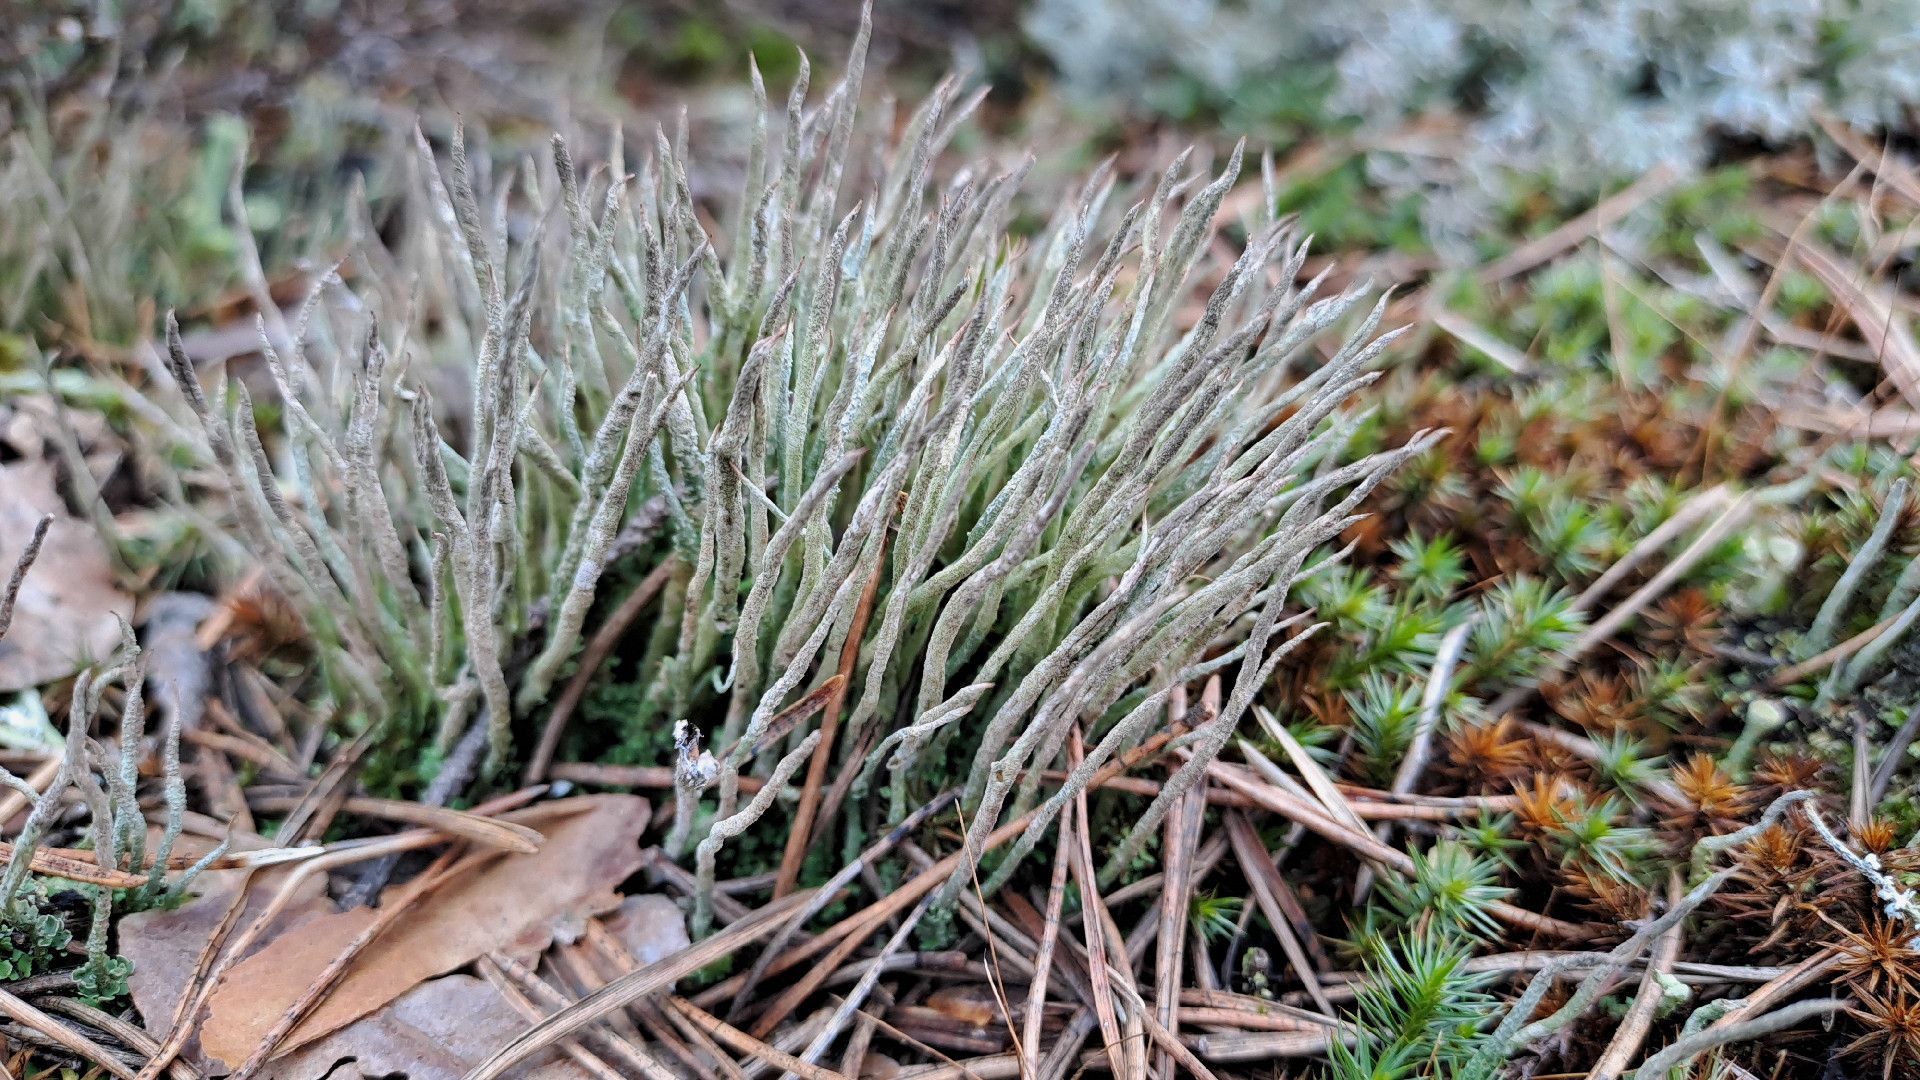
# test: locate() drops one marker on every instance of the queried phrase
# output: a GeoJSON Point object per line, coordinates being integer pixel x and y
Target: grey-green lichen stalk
{"type": "Point", "coordinates": [1078, 466]}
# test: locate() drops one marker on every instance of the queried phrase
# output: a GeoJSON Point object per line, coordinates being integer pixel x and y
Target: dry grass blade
{"type": "Point", "coordinates": [825, 894]}
{"type": "Point", "coordinates": [1364, 845]}
{"type": "Point", "coordinates": [465, 824]}
{"type": "Point", "coordinates": [1182, 836]}
{"type": "Point", "coordinates": [23, 1013]}
{"type": "Point", "coordinates": [843, 1010]}
{"type": "Point", "coordinates": [1569, 236]}
{"type": "Point", "coordinates": [1262, 875]}
{"type": "Point", "coordinates": [1100, 966]}
{"type": "Point", "coordinates": [1471, 334]}
{"type": "Point", "coordinates": [747, 1044]}
{"type": "Point", "coordinates": [858, 925]}
{"type": "Point", "coordinates": [1043, 960]}
{"type": "Point", "coordinates": [594, 1064]}
{"type": "Point", "coordinates": [546, 996]}
{"type": "Point", "coordinates": [1169, 1044]}
{"type": "Point", "coordinates": [645, 982]}
{"type": "Point", "coordinates": [1317, 779]}
{"type": "Point", "coordinates": [996, 979]}
{"type": "Point", "coordinates": [129, 1033]}
{"type": "Point", "coordinates": [1881, 322]}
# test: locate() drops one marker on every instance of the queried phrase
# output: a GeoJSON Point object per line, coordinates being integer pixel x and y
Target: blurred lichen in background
{"type": "Point", "coordinates": [1462, 98]}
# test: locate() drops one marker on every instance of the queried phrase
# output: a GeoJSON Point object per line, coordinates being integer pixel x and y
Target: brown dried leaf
{"type": "Point", "coordinates": [65, 616]}
{"type": "Point", "coordinates": [516, 904]}
{"type": "Point", "coordinates": [165, 945]}
{"type": "Point", "coordinates": [436, 1031]}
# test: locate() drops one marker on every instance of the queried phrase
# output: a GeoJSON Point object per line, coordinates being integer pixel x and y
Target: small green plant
{"type": "Point", "coordinates": [1491, 837]}
{"type": "Point", "coordinates": [1621, 767]}
{"type": "Point", "coordinates": [1449, 892]}
{"type": "Point", "coordinates": [1587, 832]}
{"type": "Point", "coordinates": [1418, 1006]}
{"type": "Point", "coordinates": [33, 943]}
{"type": "Point", "coordinates": [1214, 917]}
{"type": "Point", "coordinates": [1384, 712]}
{"type": "Point", "coordinates": [1430, 569]}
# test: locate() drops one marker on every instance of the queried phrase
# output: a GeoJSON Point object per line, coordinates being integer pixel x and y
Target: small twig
{"type": "Point", "coordinates": [1182, 835]}
{"type": "Point", "coordinates": [639, 984]}
{"type": "Point", "coordinates": [858, 995]}
{"type": "Point", "coordinates": [493, 833]}
{"type": "Point", "coordinates": [129, 1033]}
{"type": "Point", "coordinates": [996, 980]}
{"type": "Point", "coordinates": [1260, 872]}
{"type": "Point", "coordinates": [594, 1064]}
{"type": "Point", "coordinates": [704, 1041]}
{"type": "Point", "coordinates": [1814, 665]}
{"type": "Point", "coordinates": [1097, 964]}
{"type": "Point", "coordinates": [544, 994]}
{"type": "Point", "coordinates": [747, 1044]}
{"type": "Point", "coordinates": [66, 1037]}
{"type": "Point", "coordinates": [1364, 845]}
{"type": "Point", "coordinates": [828, 891]}
{"type": "Point", "coordinates": [1168, 1042]}
{"type": "Point", "coordinates": [449, 782]}
{"type": "Point", "coordinates": [1049, 937]}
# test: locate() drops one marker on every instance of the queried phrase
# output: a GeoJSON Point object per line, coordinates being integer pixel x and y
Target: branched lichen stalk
{"type": "Point", "coordinates": [730, 827]}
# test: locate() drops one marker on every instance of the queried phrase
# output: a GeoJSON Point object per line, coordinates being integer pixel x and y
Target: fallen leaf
{"type": "Point", "coordinates": [438, 1030]}
{"type": "Point", "coordinates": [969, 1004]}
{"type": "Point", "coordinates": [68, 613]}
{"type": "Point", "coordinates": [165, 945]}
{"type": "Point", "coordinates": [178, 669]}
{"type": "Point", "coordinates": [515, 904]}
{"type": "Point", "coordinates": [651, 926]}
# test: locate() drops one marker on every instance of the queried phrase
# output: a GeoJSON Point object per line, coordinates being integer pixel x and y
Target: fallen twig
{"type": "Point", "coordinates": [747, 1044]}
